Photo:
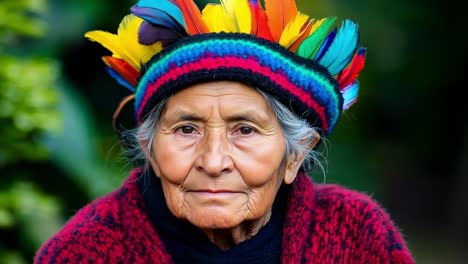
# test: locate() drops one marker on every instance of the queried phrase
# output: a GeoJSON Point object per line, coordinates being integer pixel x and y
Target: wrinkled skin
{"type": "Point", "coordinates": [220, 154]}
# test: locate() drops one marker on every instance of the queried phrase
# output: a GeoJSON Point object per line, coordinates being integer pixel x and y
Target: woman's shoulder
{"type": "Point", "coordinates": [333, 196]}
{"type": "Point", "coordinates": [358, 218]}
{"type": "Point", "coordinates": [352, 209]}
{"type": "Point", "coordinates": [101, 231]}
{"type": "Point", "coordinates": [335, 193]}
{"type": "Point", "coordinates": [86, 232]}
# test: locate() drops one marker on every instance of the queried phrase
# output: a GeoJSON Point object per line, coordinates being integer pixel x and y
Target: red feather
{"type": "Point", "coordinates": [192, 17]}
{"type": "Point", "coordinates": [260, 26]}
{"type": "Point", "coordinates": [127, 71]}
{"type": "Point", "coordinates": [349, 74]}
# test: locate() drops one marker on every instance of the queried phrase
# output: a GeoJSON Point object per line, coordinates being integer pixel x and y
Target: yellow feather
{"type": "Point", "coordinates": [108, 41]}
{"type": "Point", "coordinates": [293, 30]}
{"type": "Point", "coordinates": [316, 25]}
{"type": "Point", "coordinates": [128, 34]}
{"type": "Point", "coordinates": [216, 19]}
{"type": "Point", "coordinates": [239, 11]}
{"type": "Point", "coordinates": [124, 45]}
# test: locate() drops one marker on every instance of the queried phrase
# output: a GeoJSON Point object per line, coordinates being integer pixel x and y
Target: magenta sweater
{"type": "Point", "coordinates": [324, 224]}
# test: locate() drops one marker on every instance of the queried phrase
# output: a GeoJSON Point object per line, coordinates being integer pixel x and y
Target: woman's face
{"type": "Point", "coordinates": [218, 150]}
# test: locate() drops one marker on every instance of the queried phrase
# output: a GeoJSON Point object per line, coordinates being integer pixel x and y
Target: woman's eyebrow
{"type": "Point", "coordinates": [251, 116]}
{"type": "Point", "coordinates": [182, 115]}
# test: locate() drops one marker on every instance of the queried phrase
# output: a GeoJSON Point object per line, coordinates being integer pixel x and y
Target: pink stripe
{"type": "Point", "coordinates": [235, 62]}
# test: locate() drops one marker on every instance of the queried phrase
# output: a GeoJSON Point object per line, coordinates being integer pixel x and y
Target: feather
{"type": "Point", "coordinates": [120, 79]}
{"type": "Point", "coordinates": [307, 29]}
{"type": "Point", "coordinates": [149, 33]}
{"type": "Point", "coordinates": [239, 12]}
{"type": "Point", "coordinates": [192, 17]}
{"type": "Point", "coordinates": [350, 94]}
{"type": "Point", "coordinates": [325, 45]}
{"type": "Point", "coordinates": [279, 14]}
{"type": "Point", "coordinates": [294, 30]}
{"type": "Point", "coordinates": [341, 51]}
{"type": "Point", "coordinates": [311, 45]}
{"type": "Point", "coordinates": [109, 41]}
{"type": "Point", "coordinates": [254, 6]}
{"type": "Point", "coordinates": [216, 19]}
{"type": "Point", "coordinates": [259, 22]}
{"type": "Point", "coordinates": [125, 70]}
{"type": "Point", "coordinates": [162, 13]}
{"type": "Point", "coordinates": [125, 44]}
{"type": "Point", "coordinates": [349, 74]}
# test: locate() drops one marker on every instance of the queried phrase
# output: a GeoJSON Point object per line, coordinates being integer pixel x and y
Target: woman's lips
{"type": "Point", "coordinates": [214, 193]}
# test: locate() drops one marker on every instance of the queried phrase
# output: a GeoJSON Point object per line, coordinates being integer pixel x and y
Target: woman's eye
{"type": "Point", "coordinates": [187, 129]}
{"type": "Point", "coordinates": [246, 130]}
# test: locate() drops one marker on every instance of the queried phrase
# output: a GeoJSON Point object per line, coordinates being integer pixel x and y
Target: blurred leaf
{"type": "Point", "coordinates": [11, 257]}
{"type": "Point", "coordinates": [34, 209]}
{"type": "Point", "coordinates": [6, 218]}
{"type": "Point", "coordinates": [22, 17]}
{"type": "Point", "coordinates": [77, 149]}
{"type": "Point", "coordinates": [27, 107]}
{"type": "Point", "coordinates": [25, 207]}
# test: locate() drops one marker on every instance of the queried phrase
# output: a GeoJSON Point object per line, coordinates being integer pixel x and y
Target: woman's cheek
{"type": "Point", "coordinates": [173, 157]}
{"type": "Point", "coordinates": [174, 198]}
{"type": "Point", "coordinates": [260, 200]}
{"type": "Point", "coordinates": [259, 163]}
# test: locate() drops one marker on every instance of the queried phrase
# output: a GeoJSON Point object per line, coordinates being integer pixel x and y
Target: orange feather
{"type": "Point", "coordinates": [279, 13]}
{"type": "Point", "coordinates": [192, 17]}
{"type": "Point", "coordinates": [127, 71]}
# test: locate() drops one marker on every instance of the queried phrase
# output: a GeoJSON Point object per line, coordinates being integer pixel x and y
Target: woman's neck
{"type": "Point", "coordinates": [226, 238]}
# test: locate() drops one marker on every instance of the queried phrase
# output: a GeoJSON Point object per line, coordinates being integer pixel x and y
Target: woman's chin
{"type": "Point", "coordinates": [215, 220]}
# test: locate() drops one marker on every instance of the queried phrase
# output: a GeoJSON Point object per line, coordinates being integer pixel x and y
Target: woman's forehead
{"type": "Point", "coordinates": [230, 98]}
{"type": "Point", "coordinates": [219, 89]}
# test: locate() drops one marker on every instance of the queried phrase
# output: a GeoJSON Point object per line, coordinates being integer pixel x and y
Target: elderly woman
{"type": "Point", "coordinates": [230, 104]}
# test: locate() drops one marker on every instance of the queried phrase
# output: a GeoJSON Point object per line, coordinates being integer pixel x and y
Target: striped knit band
{"type": "Point", "coordinates": [302, 85]}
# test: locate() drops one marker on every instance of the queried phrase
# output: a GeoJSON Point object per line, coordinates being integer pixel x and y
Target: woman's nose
{"type": "Point", "coordinates": [214, 158]}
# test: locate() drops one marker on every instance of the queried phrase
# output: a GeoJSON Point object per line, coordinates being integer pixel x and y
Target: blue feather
{"type": "Point", "coordinates": [350, 94]}
{"type": "Point", "coordinates": [149, 33]}
{"type": "Point", "coordinates": [341, 51]}
{"type": "Point", "coordinates": [161, 13]}
{"type": "Point", "coordinates": [325, 45]}
{"type": "Point", "coordinates": [120, 79]}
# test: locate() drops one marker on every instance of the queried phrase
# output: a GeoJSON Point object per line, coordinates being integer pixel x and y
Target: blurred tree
{"type": "Point", "coordinates": [28, 111]}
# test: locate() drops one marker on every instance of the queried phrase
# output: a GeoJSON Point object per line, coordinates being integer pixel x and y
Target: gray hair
{"type": "Point", "coordinates": [297, 132]}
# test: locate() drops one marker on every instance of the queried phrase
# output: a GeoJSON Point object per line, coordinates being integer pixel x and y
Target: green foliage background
{"type": "Point", "coordinates": [405, 142]}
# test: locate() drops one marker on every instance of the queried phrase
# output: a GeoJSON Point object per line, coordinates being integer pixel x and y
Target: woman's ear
{"type": "Point", "coordinates": [293, 164]}
{"type": "Point", "coordinates": [295, 160]}
{"type": "Point", "coordinates": [315, 140]}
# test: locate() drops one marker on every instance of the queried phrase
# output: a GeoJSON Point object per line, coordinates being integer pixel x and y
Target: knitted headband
{"type": "Point", "coordinates": [307, 64]}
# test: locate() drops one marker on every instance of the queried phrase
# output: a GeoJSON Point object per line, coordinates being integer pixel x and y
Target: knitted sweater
{"type": "Point", "coordinates": [324, 224]}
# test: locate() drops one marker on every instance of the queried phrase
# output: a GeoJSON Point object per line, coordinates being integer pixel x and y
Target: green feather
{"type": "Point", "coordinates": [311, 45]}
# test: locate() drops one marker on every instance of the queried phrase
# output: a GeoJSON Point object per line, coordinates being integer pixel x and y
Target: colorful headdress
{"type": "Point", "coordinates": [308, 64]}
